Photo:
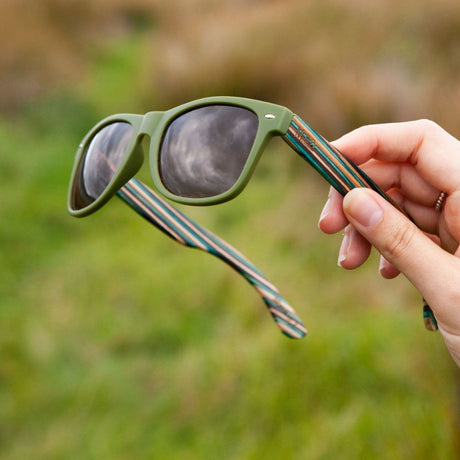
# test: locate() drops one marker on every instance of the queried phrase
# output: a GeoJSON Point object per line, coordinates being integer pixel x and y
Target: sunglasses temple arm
{"type": "Point", "coordinates": [340, 172]}
{"type": "Point", "coordinates": [182, 229]}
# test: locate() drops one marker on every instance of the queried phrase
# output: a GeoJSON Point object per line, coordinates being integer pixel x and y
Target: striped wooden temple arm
{"type": "Point", "coordinates": [182, 229]}
{"type": "Point", "coordinates": [340, 172]}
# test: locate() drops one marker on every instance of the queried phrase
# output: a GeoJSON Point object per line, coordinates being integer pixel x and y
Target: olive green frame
{"type": "Point", "coordinates": [273, 120]}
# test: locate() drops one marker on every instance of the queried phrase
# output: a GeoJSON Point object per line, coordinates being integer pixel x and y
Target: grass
{"type": "Point", "coordinates": [115, 342]}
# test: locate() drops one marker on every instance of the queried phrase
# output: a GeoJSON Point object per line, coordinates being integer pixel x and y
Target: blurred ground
{"type": "Point", "coordinates": [342, 63]}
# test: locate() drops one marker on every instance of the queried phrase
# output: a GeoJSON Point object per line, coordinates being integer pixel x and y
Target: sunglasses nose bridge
{"type": "Point", "coordinates": [150, 123]}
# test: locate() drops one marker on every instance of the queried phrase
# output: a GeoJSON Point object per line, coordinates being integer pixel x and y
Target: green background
{"type": "Point", "coordinates": [116, 342]}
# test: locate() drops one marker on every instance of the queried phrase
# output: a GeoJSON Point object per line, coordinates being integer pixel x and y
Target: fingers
{"type": "Point", "coordinates": [433, 271]}
{"type": "Point", "coordinates": [451, 215]}
{"type": "Point", "coordinates": [355, 249]}
{"type": "Point", "coordinates": [405, 178]}
{"type": "Point", "coordinates": [387, 270]}
{"type": "Point", "coordinates": [413, 162]}
{"type": "Point", "coordinates": [403, 158]}
{"type": "Point", "coordinates": [432, 151]}
{"type": "Point", "coordinates": [332, 218]}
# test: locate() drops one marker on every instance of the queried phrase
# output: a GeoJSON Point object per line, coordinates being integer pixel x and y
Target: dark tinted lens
{"type": "Point", "coordinates": [103, 157]}
{"type": "Point", "coordinates": [204, 151]}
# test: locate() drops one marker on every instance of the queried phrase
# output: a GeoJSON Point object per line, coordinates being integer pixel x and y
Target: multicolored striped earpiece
{"type": "Point", "coordinates": [340, 172]}
{"type": "Point", "coordinates": [182, 229]}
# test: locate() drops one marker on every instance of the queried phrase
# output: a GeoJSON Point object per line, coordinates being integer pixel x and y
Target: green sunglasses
{"type": "Point", "coordinates": [202, 153]}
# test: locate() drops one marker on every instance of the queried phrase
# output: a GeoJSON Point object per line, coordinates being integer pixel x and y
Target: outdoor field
{"type": "Point", "coordinates": [118, 343]}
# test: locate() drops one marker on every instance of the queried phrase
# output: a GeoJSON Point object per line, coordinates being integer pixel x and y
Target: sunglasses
{"type": "Point", "coordinates": [202, 153]}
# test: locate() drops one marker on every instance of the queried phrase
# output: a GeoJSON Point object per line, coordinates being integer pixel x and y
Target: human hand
{"type": "Point", "coordinates": [413, 162]}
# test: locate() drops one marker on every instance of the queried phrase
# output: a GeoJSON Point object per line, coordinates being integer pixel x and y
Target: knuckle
{"type": "Point", "coordinates": [428, 126]}
{"type": "Point", "coordinates": [400, 242]}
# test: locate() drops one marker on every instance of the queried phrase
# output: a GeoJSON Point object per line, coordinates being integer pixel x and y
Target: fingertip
{"type": "Point", "coordinates": [387, 270]}
{"type": "Point", "coordinates": [354, 251]}
{"type": "Point", "coordinates": [332, 218]}
{"type": "Point", "coordinates": [360, 206]}
{"type": "Point", "coordinates": [329, 226]}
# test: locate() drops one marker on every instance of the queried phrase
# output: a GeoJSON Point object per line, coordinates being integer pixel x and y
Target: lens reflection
{"type": "Point", "coordinates": [103, 157]}
{"type": "Point", "coordinates": [204, 151]}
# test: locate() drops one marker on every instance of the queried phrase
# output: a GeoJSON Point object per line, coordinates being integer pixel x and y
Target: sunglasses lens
{"type": "Point", "coordinates": [204, 151]}
{"type": "Point", "coordinates": [102, 159]}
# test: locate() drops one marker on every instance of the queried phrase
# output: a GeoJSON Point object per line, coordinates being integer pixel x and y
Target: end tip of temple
{"type": "Point", "coordinates": [293, 331]}
{"type": "Point", "coordinates": [428, 318]}
{"type": "Point", "coordinates": [286, 318]}
{"type": "Point", "coordinates": [430, 325]}
{"type": "Point", "coordinates": [295, 336]}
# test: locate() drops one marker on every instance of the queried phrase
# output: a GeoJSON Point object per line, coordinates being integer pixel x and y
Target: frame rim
{"type": "Point", "coordinates": [273, 120]}
{"type": "Point", "coordinates": [127, 169]}
{"type": "Point", "coordinates": [267, 128]}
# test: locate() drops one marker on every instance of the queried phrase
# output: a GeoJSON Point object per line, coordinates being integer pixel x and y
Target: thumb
{"type": "Point", "coordinates": [433, 271]}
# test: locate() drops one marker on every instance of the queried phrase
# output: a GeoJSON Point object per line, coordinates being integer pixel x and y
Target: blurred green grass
{"type": "Point", "coordinates": [115, 342]}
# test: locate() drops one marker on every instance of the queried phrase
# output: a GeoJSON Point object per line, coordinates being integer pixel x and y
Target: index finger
{"type": "Point", "coordinates": [433, 151]}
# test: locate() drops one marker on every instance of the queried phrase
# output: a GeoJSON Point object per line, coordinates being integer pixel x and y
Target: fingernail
{"type": "Point", "coordinates": [343, 252]}
{"type": "Point", "coordinates": [382, 265]}
{"type": "Point", "coordinates": [363, 208]}
{"type": "Point", "coordinates": [325, 210]}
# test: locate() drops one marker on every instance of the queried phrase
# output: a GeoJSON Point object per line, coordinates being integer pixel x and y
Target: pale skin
{"type": "Point", "coordinates": [414, 162]}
